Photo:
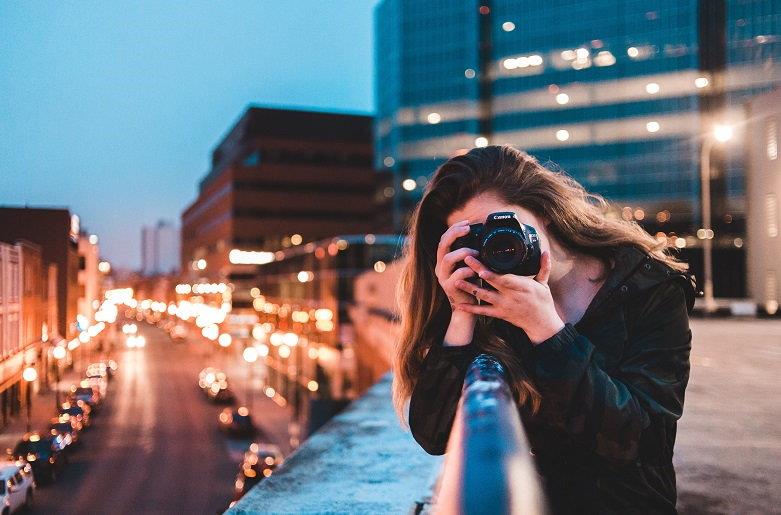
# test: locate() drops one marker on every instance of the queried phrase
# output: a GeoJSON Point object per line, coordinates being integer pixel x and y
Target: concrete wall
{"type": "Point", "coordinates": [342, 469]}
{"type": "Point", "coordinates": [763, 192]}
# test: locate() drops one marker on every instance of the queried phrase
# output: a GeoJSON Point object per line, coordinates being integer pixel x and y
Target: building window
{"type": "Point", "coordinates": [771, 134]}
{"type": "Point", "coordinates": [771, 292]}
{"type": "Point", "coordinates": [771, 215]}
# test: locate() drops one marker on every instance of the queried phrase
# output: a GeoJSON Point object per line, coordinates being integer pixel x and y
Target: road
{"type": "Point", "coordinates": [728, 450]}
{"type": "Point", "coordinates": [154, 446]}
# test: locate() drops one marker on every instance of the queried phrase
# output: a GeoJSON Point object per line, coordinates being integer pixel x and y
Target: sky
{"type": "Point", "coordinates": [112, 108]}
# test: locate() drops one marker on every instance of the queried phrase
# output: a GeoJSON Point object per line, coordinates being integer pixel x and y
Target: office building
{"type": "Point", "coordinates": [617, 93]}
{"type": "Point", "coordinates": [160, 249]}
{"type": "Point", "coordinates": [56, 232]}
{"type": "Point", "coordinates": [280, 178]}
{"type": "Point", "coordinates": [89, 278]}
{"type": "Point", "coordinates": [763, 193]}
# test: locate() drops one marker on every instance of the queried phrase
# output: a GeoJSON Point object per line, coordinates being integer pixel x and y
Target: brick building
{"type": "Point", "coordinates": [56, 232]}
{"type": "Point", "coordinates": [280, 178]}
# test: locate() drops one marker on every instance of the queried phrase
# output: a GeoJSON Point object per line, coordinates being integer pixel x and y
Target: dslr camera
{"type": "Point", "coordinates": [506, 246]}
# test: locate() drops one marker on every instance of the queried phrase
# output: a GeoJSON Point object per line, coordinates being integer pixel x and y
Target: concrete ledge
{"type": "Point", "coordinates": [739, 308]}
{"type": "Point", "coordinates": [361, 461]}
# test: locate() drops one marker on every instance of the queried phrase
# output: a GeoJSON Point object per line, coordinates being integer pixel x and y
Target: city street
{"type": "Point", "coordinates": [154, 447]}
{"type": "Point", "coordinates": [728, 451]}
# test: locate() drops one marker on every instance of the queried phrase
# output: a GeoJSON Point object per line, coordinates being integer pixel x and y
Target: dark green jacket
{"type": "Point", "coordinates": [612, 389]}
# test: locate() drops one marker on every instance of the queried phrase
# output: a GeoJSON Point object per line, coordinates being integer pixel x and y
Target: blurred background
{"type": "Point", "coordinates": [202, 206]}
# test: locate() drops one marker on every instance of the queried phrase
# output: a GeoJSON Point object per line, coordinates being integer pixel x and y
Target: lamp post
{"type": "Point", "coordinates": [59, 353]}
{"type": "Point", "coordinates": [250, 355]}
{"type": "Point", "coordinates": [721, 134]}
{"type": "Point", "coordinates": [29, 375]}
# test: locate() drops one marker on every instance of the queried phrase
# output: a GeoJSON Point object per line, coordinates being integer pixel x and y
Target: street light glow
{"type": "Point", "coordinates": [250, 355]}
{"type": "Point", "coordinates": [30, 374]}
{"type": "Point", "coordinates": [59, 352]}
{"type": "Point", "coordinates": [723, 133]}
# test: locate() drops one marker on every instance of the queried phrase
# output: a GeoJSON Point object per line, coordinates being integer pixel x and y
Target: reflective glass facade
{"type": "Point", "coordinates": [616, 93]}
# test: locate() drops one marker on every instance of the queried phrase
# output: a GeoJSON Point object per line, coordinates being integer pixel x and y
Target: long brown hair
{"type": "Point", "coordinates": [578, 221]}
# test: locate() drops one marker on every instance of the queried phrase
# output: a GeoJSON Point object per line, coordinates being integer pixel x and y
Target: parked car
{"type": "Point", "coordinates": [44, 453]}
{"type": "Point", "coordinates": [99, 383]}
{"type": "Point", "coordinates": [109, 365]}
{"type": "Point", "coordinates": [260, 461]}
{"type": "Point", "coordinates": [67, 427]}
{"type": "Point", "coordinates": [208, 376]}
{"type": "Point", "coordinates": [97, 369]}
{"type": "Point", "coordinates": [237, 422]}
{"type": "Point", "coordinates": [16, 487]}
{"type": "Point", "coordinates": [214, 383]}
{"type": "Point", "coordinates": [221, 394]}
{"type": "Point", "coordinates": [86, 393]}
{"type": "Point", "coordinates": [79, 412]}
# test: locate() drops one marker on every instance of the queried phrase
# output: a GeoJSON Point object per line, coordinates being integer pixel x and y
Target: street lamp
{"type": "Point", "coordinates": [29, 375]}
{"type": "Point", "coordinates": [59, 353]}
{"type": "Point", "coordinates": [721, 134]}
{"type": "Point", "coordinates": [250, 355]}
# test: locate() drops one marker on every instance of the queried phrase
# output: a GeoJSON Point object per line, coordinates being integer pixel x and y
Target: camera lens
{"type": "Point", "coordinates": [504, 250]}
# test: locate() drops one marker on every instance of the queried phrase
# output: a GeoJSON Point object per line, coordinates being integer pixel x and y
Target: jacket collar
{"type": "Point", "coordinates": [635, 271]}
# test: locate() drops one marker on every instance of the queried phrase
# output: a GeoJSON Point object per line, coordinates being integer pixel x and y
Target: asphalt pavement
{"type": "Point", "coordinates": [728, 450]}
{"type": "Point", "coordinates": [154, 446]}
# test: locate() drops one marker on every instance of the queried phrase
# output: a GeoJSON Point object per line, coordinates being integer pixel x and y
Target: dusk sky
{"type": "Point", "coordinates": [112, 108]}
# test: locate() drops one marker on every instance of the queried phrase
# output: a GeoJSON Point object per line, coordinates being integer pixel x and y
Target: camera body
{"type": "Point", "coordinates": [506, 246]}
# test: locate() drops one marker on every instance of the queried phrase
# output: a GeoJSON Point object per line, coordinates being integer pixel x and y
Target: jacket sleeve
{"type": "Point", "coordinates": [436, 394]}
{"type": "Point", "coordinates": [610, 412]}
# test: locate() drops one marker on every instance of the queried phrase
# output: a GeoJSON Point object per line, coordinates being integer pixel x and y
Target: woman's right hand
{"type": "Point", "coordinates": [462, 324]}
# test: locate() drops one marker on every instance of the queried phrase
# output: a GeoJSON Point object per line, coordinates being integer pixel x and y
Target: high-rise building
{"type": "Point", "coordinates": [89, 277]}
{"type": "Point", "coordinates": [160, 249]}
{"type": "Point", "coordinates": [280, 178]}
{"type": "Point", "coordinates": [763, 194]}
{"type": "Point", "coordinates": [617, 93]}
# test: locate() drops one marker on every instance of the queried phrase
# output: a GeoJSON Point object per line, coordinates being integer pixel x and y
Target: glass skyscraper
{"type": "Point", "coordinates": [617, 93]}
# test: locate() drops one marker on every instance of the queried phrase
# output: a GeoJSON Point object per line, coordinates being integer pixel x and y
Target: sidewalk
{"type": "Point", "coordinates": [42, 411]}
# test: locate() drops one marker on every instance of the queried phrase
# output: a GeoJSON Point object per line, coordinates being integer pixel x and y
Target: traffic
{"type": "Point", "coordinates": [44, 457]}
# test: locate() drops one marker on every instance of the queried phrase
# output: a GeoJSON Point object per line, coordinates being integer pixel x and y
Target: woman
{"type": "Point", "coordinates": [596, 345]}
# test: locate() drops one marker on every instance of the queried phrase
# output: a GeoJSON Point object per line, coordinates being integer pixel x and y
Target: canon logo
{"type": "Point", "coordinates": [502, 217]}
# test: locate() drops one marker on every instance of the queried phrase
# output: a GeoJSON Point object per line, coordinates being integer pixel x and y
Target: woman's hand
{"type": "Point", "coordinates": [523, 301]}
{"type": "Point", "coordinates": [446, 262]}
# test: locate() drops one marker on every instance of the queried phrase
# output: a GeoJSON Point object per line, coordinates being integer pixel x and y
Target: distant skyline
{"type": "Point", "coordinates": [112, 110]}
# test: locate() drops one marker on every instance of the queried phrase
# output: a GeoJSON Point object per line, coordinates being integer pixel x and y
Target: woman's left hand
{"type": "Point", "coordinates": [525, 302]}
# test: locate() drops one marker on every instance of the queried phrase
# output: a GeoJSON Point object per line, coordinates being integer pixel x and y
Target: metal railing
{"type": "Point", "coordinates": [489, 467]}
